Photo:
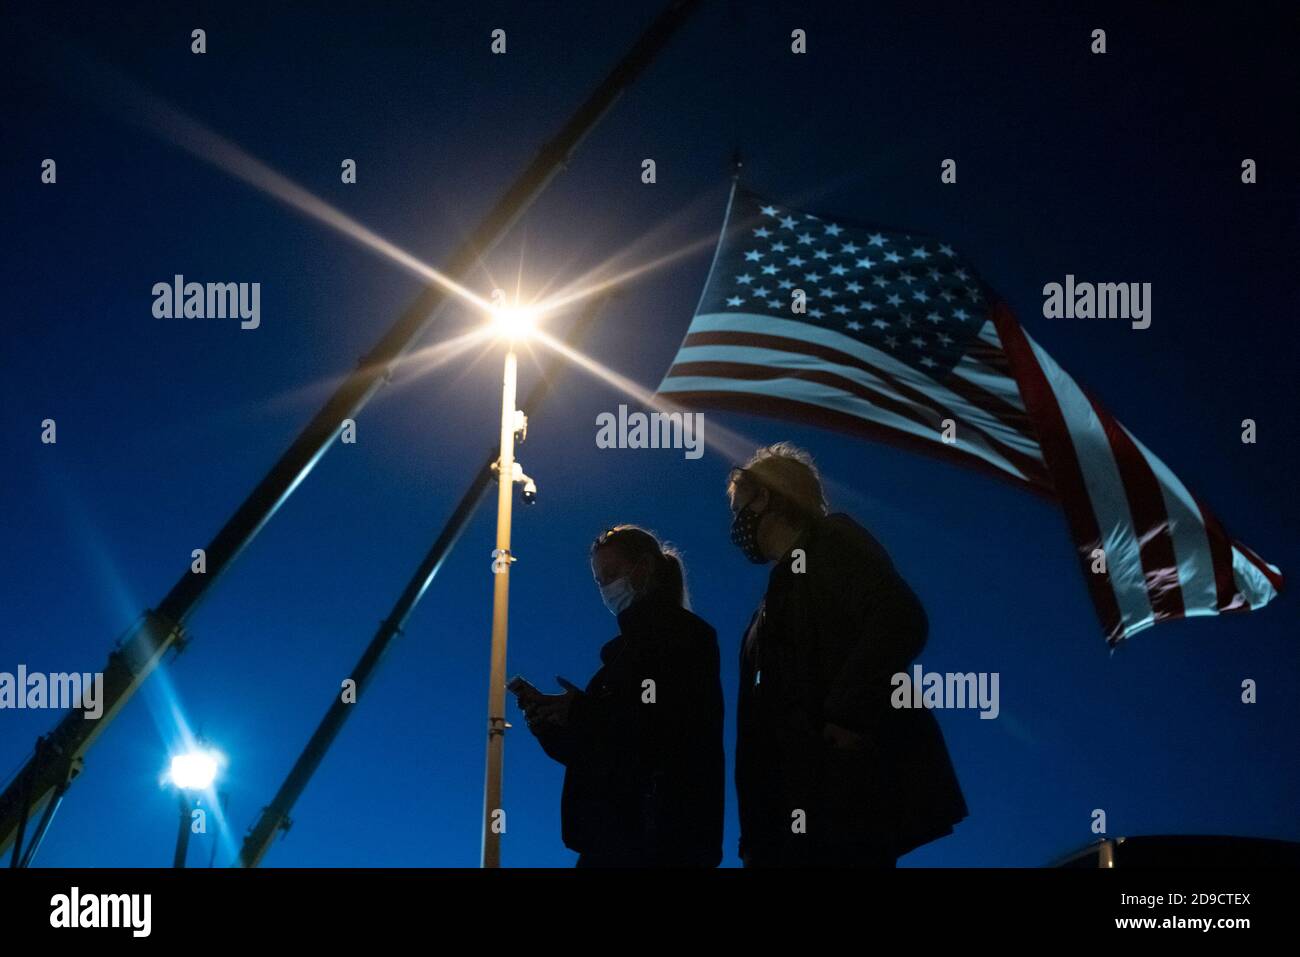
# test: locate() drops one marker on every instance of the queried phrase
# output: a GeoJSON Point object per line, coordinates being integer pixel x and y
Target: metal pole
{"type": "Point", "coordinates": [501, 561]}
{"type": "Point", "coordinates": [16, 859]}
{"type": "Point", "coordinates": [129, 666]}
{"type": "Point", "coordinates": [275, 816]}
{"type": "Point", "coordinates": [38, 836]}
{"type": "Point", "coordinates": [183, 834]}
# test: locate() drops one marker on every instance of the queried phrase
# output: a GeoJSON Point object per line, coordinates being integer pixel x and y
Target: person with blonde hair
{"type": "Point", "coordinates": [645, 776]}
{"type": "Point", "coordinates": [828, 772]}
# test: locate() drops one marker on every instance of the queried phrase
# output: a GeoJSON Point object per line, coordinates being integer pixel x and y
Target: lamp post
{"type": "Point", "coordinates": [512, 324]}
{"type": "Point", "coordinates": [183, 830]}
{"type": "Point", "coordinates": [189, 773]}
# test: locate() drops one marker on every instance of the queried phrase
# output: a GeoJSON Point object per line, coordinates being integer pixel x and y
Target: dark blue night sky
{"type": "Point", "coordinates": [1122, 167]}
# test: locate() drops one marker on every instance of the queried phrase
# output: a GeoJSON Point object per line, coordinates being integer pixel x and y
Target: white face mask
{"type": "Point", "coordinates": [617, 595]}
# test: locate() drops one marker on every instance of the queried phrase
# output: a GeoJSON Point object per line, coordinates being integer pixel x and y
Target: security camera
{"type": "Point", "coordinates": [530, 487]}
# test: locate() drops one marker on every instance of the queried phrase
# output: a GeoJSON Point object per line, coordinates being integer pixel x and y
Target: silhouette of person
{"type": "Point", "coordinates": [645, 776]}
{"type": "Point", "coordinates": [828, 772]}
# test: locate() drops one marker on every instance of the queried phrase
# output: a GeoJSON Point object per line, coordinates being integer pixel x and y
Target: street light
{"type": "Point", "coordinates": [511, 323]}
{"type": "Point", "coordinates": [191, 772]}
{"type": "Point", "coordinates": [514, 322]}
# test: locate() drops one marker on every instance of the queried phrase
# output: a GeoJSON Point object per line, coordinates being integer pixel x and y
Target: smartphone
{"type": "Point", "coordinates": [520, 687]}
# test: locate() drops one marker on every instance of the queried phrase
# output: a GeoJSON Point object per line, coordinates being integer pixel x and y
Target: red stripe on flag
{"type": "Point", "coordinates": [1276, 579]}
{"type": "Point", "coordinates": [993, 404]}
{"type": "Point", "coordinates": [1031, 467]}
{"type": "Point", "coordinates": [1146, 505]}
{"type": "Point", "coordinates": [793, 410]}
{"type": "Point", "coordinates": [1063, 463]}
{"type": "Point", "coordinates": [990, 355]}
{"type": "Point", "coordinates": [1012, 417]}
{"type": "Point", "coordinates": [1225, 584]}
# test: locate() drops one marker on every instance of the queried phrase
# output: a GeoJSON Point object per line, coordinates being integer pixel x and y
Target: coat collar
{"type": "Point", "coordinates": [640, 616]}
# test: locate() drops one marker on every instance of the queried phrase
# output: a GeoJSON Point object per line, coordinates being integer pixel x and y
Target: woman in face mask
{"type": "Point", "coordinates": [817, 728]}
{"type": "Point", "coordinates": [642, 744]}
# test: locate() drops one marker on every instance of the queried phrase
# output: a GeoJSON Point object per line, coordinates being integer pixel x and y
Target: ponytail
{"type": "Point", "coordinates": [671, 576]}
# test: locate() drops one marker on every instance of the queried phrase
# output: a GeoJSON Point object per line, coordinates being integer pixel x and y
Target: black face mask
{"type": "Point", "coordinates": [744, 534]}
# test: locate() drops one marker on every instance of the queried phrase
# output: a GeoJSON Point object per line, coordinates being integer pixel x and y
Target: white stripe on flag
{"type": "Point", "coordinates": [1250, 581]}
{"type": "Point", "coordinates": [829, 397]}
{"type": "Point", "coordinates": [1191, 542]}
{"type": "Point", "coordinates": [764, 325]}
{"type": "Point", "coordinates": [1106, 493]}
{"type": "Point", "coordinates": [989, 333]}
{"type": "Point", "coordinates": [982, 377]}
{"type": "Point", "coordinates": [780, 359]}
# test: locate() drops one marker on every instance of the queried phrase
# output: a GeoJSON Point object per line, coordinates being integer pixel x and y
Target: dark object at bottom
{"type": "Point", "coordinates": [848, 855]}
{"type": "Point", "coordinates": [1185, 850]}
{"type": "Point", "coordinates": [621, 860]}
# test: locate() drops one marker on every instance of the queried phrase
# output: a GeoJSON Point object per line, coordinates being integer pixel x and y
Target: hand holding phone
{"type": "Point", "coordinates": [525, 693]}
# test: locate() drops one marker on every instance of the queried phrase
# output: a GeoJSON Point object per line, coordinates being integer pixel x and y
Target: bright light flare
{"type": "Point", "coordinates": [590, 285]}
{"type": "Point", "coordinates": [731, 445]}
{"type": "Point", "coordinates": [83, 74]}
{"type": "Point", "coordinates": [514, 322]}
{"type": "Point", "coordinates": [194, 770]}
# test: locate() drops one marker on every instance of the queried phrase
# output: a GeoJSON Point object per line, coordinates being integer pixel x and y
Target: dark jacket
{"type": "Point", "coordinates": [822, 648]}
{"type": "Point", "coordinates": [645, 781]}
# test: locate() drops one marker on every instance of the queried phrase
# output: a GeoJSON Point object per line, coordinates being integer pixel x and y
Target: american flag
{"type": "Point", "coordinates": [900, 340]}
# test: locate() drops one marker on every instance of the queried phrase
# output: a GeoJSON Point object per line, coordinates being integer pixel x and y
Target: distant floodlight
{"type": "Point", "coordinates": [194, 771]}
